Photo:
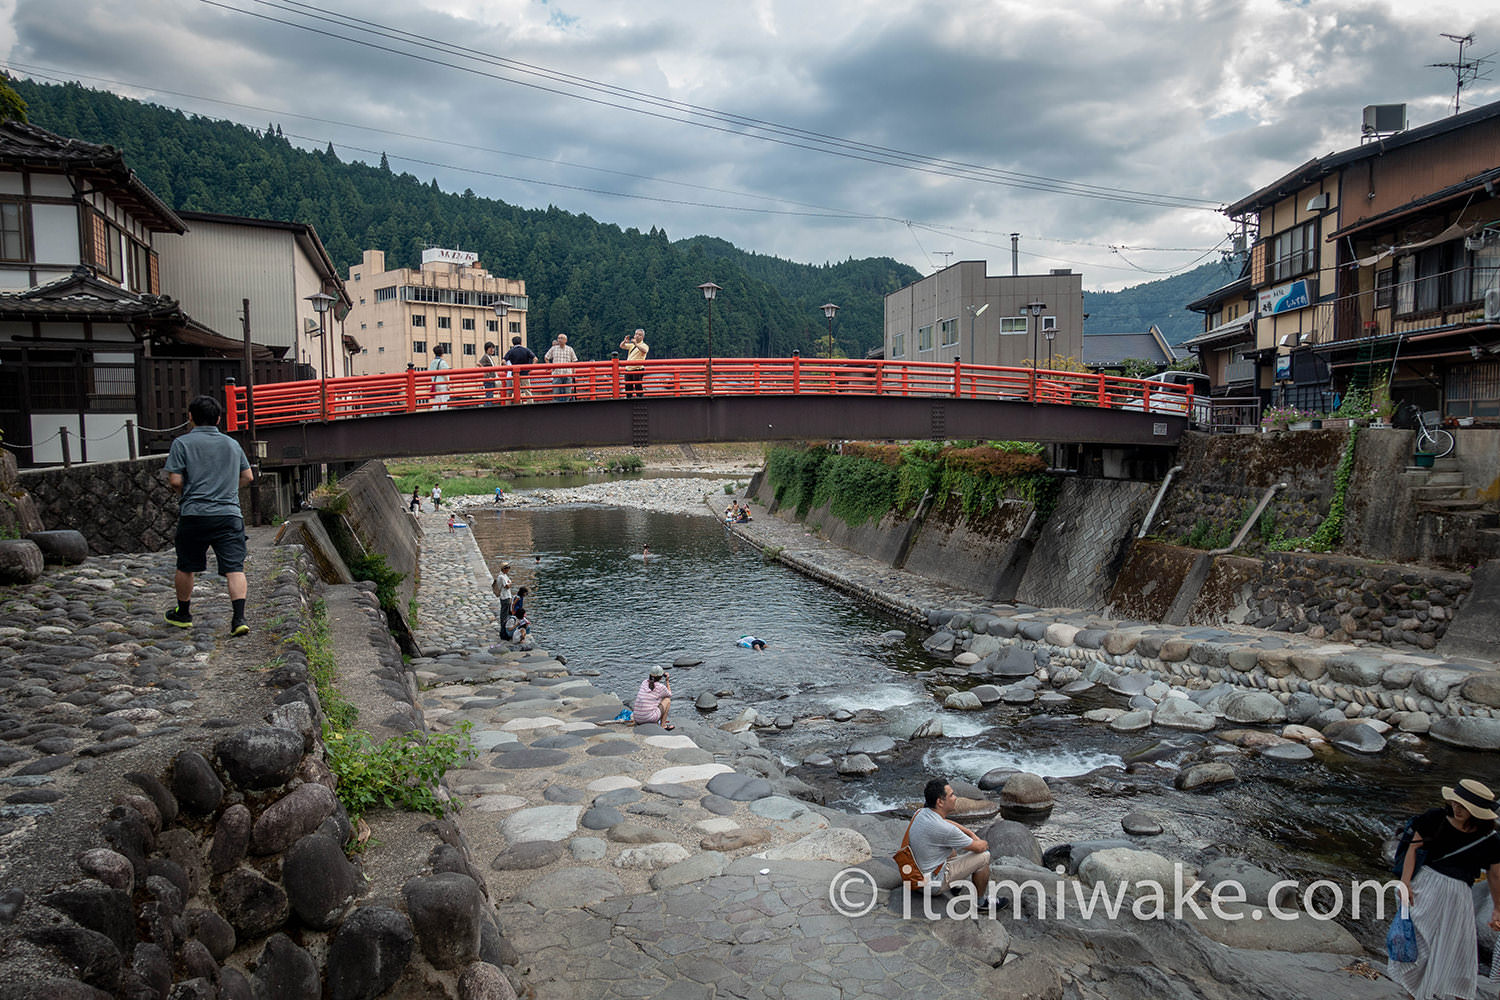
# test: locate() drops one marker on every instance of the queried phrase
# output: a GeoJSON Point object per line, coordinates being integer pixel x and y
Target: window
{"type": "Point", "coordinates": [1473, 390]}
{"type": "Point", "coordinates": [364, 350]}
{"type": "Point", "coordinates": [515, 326]}
{"type": "Point", "coordinates": [469, 350]}
{"type": "Point", "coordinates": [924, 337]}
{"type": "Point", "coordinates": [418, 320]}
{"type": "Point", "coordinates": [898, 345]}
{"type": "Point", "coordinates": [1437, 278]}
{"type": "Point", "coordinates": [387, 294]}
{"type": "Point", "coordinates": [1385, 282]}
{"type": "Point", "coordinates": [363, 325]}
{"type": "Point", "coordinates": [447, 347]}
{"type": "Point", "coordinates": [468, 323]}
{"type": "Point", "coordinates": [419, 347]}
{"type": "Point", "coordinates": [356, 278]}
{"type": "Point", "coordinates": [380, 350]}
{"type": "Point", "coordinates": [491, 325]}
{"type": "Point", "coordinates": [444, 323]}
{"type": "Point", "coordinates": [1293, 252]}
{"type": "Point", "coordinates": [949, 330]}
{"type": "Point", "coordinates": [379, 323]}
{"type": "Point", "coordinates": [1486, 269]}
{"type": "Point", "coordinates": [1012, 324]}
{"type": "Point", "coordinates": [1049, 323]}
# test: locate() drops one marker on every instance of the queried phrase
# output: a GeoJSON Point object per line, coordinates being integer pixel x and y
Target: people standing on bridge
{"type": "Point", "coordinates": [519, 355]}
{"type": "Point", "coordinates": [635, 373]}
{"type": "Point", "coordinates": [487, 360]}
{"type": "Point", "coordinates": [208, 467]}
{"type": "Point", "coordinates": [439, 382]}
{"type": "Point", "coordinates": [562, 378]}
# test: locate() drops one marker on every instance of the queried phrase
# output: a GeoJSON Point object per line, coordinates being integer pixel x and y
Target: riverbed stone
{"type": "Point", "coordinates": [291, 817]}
{"type": "Point", "coordinates": [555, 822]}
{"type": "Point", "coordinates": [1436, 682]}
{"type": "Point", "coordinates": [1354, 736]}
{"type": "Point", "coordinates": [962, 701]}
{"type": "Point", "coordinates": [1204, 776]}
{"type": "Point", "coordinates": [320, 882]}
{"type": "Point", "coordinates": [446, 913]}
{"type": "Point", "coordinates": [1256, 707]}
{"type": "Point", "coordinates": [831, 844]}
{"type": "Point", "coordinates": [857, 765]}
{"type": "Point", "coordinates": [740, 787]}
{"type": "Point", "coordinates": [651, 857]}
{"type": "Point", "coordinates": [1180, 713]}
{"type": "Point", "coordinates": [368, 953]}
{"type": "Point", "coordinates": [1017, 694]}
{"type": "Point", "coordinates": [260, 757]}
{"type": "Point", "coordinates": [21, 561]}
{"type": "Point", "coordinates": [734, 840]}
{"type": "Point", "coordinates": [530, 855]}
{"type": "Point", "coordinates": [255, 905]}
{"type": "Point", "coordinates": [1009, 839]}
{"type": "Point", "coordinates": [1025, 792]}
{"type": "Point", "coordinates": [1114, 865]}
{"type": "Point", "coordinates": [1471, 732]}
{"type": "Point", "coordinates": [1483, 689]}
{"type": "Point", "coordinates": [706, 702]}
{"type": "Point", "coordinates": [1016, 662]}
{"type": "Point", "coordinates": [1141, 824]}
{"type": "Point", "coordinates": [1132, 722]}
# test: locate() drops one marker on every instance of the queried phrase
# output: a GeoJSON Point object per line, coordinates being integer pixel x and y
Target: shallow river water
{"type": "Point", "coordinates": [599, 603]}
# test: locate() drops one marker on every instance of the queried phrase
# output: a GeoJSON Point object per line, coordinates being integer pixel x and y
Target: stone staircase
{"type": "Point", "coordinates": [1442, 497]}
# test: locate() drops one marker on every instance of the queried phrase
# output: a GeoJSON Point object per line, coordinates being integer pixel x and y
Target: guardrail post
{"type": "Point", "coordinates": [1103, 396]}
{"type": "Point", "coordinates": [515, 384]}
{"type": "Point", "coordinates": [879, 378]}
{"type": "Point", "coordinates": [411, 390]}
{"type": "Point", "coordinates": [958, 377]}
{"type": "Point", "coordinates": [62, 432]}
{"type": "Point", "coordinates": [130, 441]}
{"type": "Point", "coordinates": [796, 372]}
{"type": "Point", "coordinates": [614, 374]}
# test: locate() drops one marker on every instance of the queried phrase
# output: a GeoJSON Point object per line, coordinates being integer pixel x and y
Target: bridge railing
{"type": "Point", "coordinates": [424, 391]}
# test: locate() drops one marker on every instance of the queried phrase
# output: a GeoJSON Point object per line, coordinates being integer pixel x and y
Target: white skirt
{"type": "Point", "coordinates": [1447, 944]}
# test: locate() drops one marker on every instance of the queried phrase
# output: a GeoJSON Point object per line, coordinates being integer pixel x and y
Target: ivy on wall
{"type": "Point", "coordinates": [863, 482]}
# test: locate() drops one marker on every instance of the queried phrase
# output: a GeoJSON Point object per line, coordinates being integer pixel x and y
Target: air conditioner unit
{"type": "Point", "coordinates": [1492, 305]}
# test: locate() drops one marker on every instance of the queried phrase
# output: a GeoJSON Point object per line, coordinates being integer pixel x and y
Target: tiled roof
{"type": "Point", "coordinates": [1113, 348]}
{"type": "Point", "coordinates": [81, 296]}
{"type": "Point", "coordinates": [23, 144]}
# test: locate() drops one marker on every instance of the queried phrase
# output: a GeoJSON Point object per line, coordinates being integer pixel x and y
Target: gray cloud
{"type": "Point", "coordinates": [1204, 98]}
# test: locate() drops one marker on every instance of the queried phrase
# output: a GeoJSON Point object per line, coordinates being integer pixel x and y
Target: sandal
{"type": "Point", "coordinates": [668, 726]}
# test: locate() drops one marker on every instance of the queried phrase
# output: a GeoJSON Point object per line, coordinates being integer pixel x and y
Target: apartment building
{"type": "Point", "coordinates": [962, 311]}
{"type": "Point", "coordinates": [399, 316]}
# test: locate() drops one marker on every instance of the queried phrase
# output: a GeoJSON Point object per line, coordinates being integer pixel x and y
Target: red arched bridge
{"type": "Point", "coordinates": [695, 400]}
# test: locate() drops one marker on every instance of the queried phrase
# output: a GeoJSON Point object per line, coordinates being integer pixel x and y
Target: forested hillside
{"type": "Point", "coordinates": [586, 278]}
{"type": "Point", "coordinates": [1161, 302]}
{"type": "Point", "coordinates": [591, 280]}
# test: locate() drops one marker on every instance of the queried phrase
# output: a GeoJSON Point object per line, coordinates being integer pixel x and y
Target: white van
{"type": "Point", "coordinates": [1173, 398]}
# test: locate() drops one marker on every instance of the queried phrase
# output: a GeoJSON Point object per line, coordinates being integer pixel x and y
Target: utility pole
{"type": "Point", "coordinates": [1465, 71]}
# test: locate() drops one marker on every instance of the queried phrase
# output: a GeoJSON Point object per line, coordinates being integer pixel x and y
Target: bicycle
{"type": "Point", "coordinates": [1434, 440]}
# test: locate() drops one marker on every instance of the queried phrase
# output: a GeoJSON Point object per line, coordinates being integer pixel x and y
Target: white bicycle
{"type": "Point", "coordinates": [1433, 439]}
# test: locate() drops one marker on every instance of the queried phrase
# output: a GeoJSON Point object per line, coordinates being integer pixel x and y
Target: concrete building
{"type": "Point", "coordinates": [963, 312]}
{"type": "Point", "coordinates": [224, 259]}
{"type": "Point", "coordinates": [399, 316]}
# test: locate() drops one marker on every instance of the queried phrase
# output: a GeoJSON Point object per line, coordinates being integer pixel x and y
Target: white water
{"type": "Point", "coordinates": [973, 764]}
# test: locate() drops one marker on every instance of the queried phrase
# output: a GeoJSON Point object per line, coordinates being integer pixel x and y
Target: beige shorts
{"type": "Point", "coordinates": [963, 867]}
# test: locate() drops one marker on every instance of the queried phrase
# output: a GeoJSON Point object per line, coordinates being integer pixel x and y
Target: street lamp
{"type": "Point", "coordinates": [1050, 335]}
{"type": "Point", "coordinates": [974, 313]}
{"type": "Point", "coordinates": [1036, 323]}
{"type": "Point", "coordinates": [709, 290]}
{"type": "Point", "coordinates": [322, 302]}
{"type": "Point", "coordinates": [828, 310]}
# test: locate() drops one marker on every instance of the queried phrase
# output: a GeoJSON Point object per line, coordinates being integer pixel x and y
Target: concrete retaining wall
{"type": "Point", "coordinates": [1083, 546]}
{"type": "Point", "coordinates": [967, 552]}
{"type": "Point", "coordinates": [378, 515]}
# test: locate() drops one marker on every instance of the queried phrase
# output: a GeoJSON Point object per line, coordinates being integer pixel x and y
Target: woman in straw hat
{"type": "Point", "coordinates": [654, 699]}
{"type": "Point", "coordinates": [1451, 847]}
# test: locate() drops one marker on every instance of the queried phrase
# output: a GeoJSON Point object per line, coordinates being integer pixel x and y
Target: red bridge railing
{"type": "Point", "coordinates": [422, 391]}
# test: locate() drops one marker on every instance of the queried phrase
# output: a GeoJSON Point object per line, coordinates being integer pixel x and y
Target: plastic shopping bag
{"type": "Point", "coordinates": [1401, 939]}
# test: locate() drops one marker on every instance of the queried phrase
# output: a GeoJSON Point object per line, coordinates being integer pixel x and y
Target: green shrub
{"type": "Point", "coordinates": [373, 567]}
{"type": "Point", "coordinates": [402, 772]}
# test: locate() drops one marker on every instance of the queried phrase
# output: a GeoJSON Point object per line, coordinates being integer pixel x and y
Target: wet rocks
{"type": "Point", "coordinates": [1204, 776]}
{"type": "Point", "coordinates": [1255, 707]}
{"type": "Point", "coordinates": [1025, 793]}
{"type": "Point", "coordinates": [1467, 731]}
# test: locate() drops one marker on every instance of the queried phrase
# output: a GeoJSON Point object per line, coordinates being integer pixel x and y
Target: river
{"type": "Point", "coordinates": [597, 601]}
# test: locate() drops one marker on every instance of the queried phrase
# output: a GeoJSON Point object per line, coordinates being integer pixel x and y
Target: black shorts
{"type": "Point", "coordinates": [224, 533]}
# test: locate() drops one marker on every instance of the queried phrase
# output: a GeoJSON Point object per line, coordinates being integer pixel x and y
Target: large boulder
{"type": "Point", "coordinates": [260, 757]}
{"type": "Point", "coordinates": [1180, 713]}
{"type": "Point", "coordinates": [1025, 793]}
{"type": "Point", "coordinates": [832, 844]}
{"type": "Point", "coordinates": [61, 547]}
{"type": "Point", "coordinates": [1138, 870]}
{"type": "Point", "coordinates": [1009, 839]}
{"type": "Point", "coordinates": [368, 953]}
{"type": "Point", "coordinates": [20, 560]}
{"type": "Point", "coordinates": [445, 911]}
{"type": "Point", "coordinates": [1470, 732]}
{"type": "Point", "coordinates": [320, 881]}
{"type": "Point", "coordinates": [1254, 707]}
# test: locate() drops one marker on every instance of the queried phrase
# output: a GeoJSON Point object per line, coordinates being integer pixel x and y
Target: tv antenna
{"type": "Point", "coordinates": [947, 255]}
{"type": "Point", "coordinates": [1465, 71]}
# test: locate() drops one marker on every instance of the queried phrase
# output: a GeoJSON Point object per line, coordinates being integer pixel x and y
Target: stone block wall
{"type": "Point", "coordinates": [1084, 544]}
{"type": "Point", "coordinates": [1340, 598]}
{"type": "Point", "coordinates": [1148, 581]}
{"type": "Point", "coordinates": [968, 552]}
{"type": "Point", "coordinates": [117, 506]}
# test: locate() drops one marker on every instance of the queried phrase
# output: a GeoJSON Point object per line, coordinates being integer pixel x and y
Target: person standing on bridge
{"type": "Point", "coordinates": [439, 382]}
{"type": "Point", "coordinates": [518, 355]}
{"type": "Point", "coordinates": [487, 360]}
{"type": "Point", "coordinates": [562, 378]}
{"type": "Point", "coordinates": [635, 373]}
{"type": "Point", "coordinates": [208, 468]}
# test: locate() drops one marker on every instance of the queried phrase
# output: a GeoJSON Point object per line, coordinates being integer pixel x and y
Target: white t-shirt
{"type": "Point", "coordinates": [933, 839]}
{"type": "Point", "coordinates": [504, 582]}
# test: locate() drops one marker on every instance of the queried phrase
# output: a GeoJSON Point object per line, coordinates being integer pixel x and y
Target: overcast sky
{"type": "Point", "coordinates": [1200, 100]}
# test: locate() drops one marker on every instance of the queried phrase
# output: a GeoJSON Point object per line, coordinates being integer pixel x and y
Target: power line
{"type": "Point", "coordinates": [674, 111]}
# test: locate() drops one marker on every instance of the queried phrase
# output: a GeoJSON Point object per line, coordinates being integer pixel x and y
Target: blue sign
{"type": "Point", "coordinates": [1285, 298]}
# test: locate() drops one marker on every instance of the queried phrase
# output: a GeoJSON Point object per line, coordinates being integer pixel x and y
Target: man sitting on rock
{"type": "Point", "coordinates": [947, 851]}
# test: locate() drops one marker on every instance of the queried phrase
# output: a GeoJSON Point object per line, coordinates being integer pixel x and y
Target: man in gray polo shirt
{"type": "Point", "coordinates": [208, 468]}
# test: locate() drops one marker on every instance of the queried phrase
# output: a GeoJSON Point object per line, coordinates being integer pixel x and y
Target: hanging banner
{"type": "Point", "coordinates": [1286, 298]}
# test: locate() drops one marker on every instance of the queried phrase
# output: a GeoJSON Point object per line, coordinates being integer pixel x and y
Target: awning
{"type": "Point", "coordinates": [1236, 327]}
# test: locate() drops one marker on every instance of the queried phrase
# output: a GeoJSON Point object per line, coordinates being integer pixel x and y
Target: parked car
{"type": "Point", "coordinates": [1173, 397]}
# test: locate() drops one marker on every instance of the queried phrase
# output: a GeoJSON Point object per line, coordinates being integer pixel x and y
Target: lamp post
{"type": "Point", "coordinates": [829, 309]}
{"type": "Point", "coordinates": [1050, 335]}
{"type": "Point", "coordinates": [322, 302]}
{"type": "Point", "coordinates": [709, 290]}
{"type": "Point", "coordinates": [1036, 323]}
